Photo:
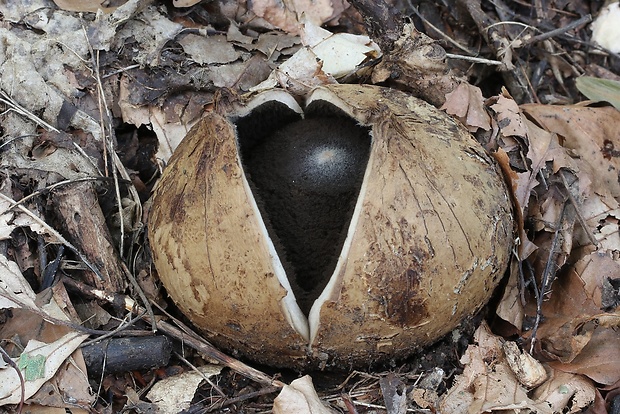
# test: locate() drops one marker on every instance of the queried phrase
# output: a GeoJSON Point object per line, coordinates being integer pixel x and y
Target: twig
{"type": "Point", "coordinates": [548, 277]}
{"type": "Point", "coordinates": [122, 70]}
{"type": "Point", "coordinates": [382, 407]}
{"type": "Point", "coordinates": [7, 100]}
{"type": "Point", "coordinates": [439, 32]}
{"type": "Point", "coordinates": [8, 141]}
{"type": "Point", "coordinates": [106, 133]}
{"type": "Point", "coordinates": [51, 187]}
{"type": "Point", "coordinates": [194, 368]}
{"type": "Point", "coordinates": [559, 31]}
{"type": "Point", "coordinates": [116, 331]}
{"type": "Point", "coordinates": [474, 59]}
{"type": "Point", "coordinates": [22, 384]}
{"type": "Point", "coordinates": [580, 217]}
{"type": "Point", "coordinates": [145, 301]}
{"type": "Point", "coordinates": [191, 339]}
{"type": "Point", "coordinates": [240, 398]}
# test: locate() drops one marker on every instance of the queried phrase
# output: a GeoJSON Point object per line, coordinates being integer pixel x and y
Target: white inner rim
{"type": "Point", "coordinates": [307, 327]}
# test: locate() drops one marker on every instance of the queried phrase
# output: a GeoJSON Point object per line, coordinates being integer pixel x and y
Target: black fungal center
{"type": "Point", "coordinates": [305, 175]}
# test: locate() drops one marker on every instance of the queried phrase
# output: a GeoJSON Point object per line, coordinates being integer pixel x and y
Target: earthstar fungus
{"type": "Point", "coordinates": [426, 240]}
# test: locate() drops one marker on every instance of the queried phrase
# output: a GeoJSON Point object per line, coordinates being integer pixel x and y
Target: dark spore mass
{"type": "Point", "coordinates": [306, 176]}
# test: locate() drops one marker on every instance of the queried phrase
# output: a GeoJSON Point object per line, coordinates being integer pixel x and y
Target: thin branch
{"type": "Point", "coordinates": [7, 100]}
{"type": "Point", "coordinates": [580, 217]}
{"type": "Point", "coordinates": [218, 406]}
{"type": "Point", "coordinates": [22, 384]}
{"type": "Point", "coordinates": [474, 59]}
{"type": "Point", "coordinates": [191, 339]}
{"type": "Point", "coordinates": [559, 31]}
{"type": "Point", "coordinates": [195, 369]}
{"type": "Point", "coordinates": [548, 277]}
{"type": "Point", "coordinates": [439, 32]}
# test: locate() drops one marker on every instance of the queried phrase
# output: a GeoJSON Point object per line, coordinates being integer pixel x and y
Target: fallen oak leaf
{"type": "Point", "coordinates": [466, 103]}
{"type": "Point", "coordinates": [591, 134]}
{"type": "Point", "coordinates": [508, 115]}
{"type": "Point", "coordinates": [287, 14]}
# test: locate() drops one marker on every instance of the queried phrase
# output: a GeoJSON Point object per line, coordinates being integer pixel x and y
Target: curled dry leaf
{"type": "Point", "coordinates": [592, 134]}
{"type": "Point", "coordinates": [54, 355]}
{"type": "Point", "coordinates": [174, 394]}
{"type": "Point", "coordinates": [508, 115]}
{"type": "Point", "coordinates": [287, 14]}
{"type": "Point", "coordinates": [324, 58]}
{"type": "Point", "coordinates": [15, 291]}
{"type": "Point", "coordinates": [528, 370]}
{"type": "Point", "coordinates": [489, 384]}
{"type": "Point", "coordinates": [566, 393]}
{"type": "Point", "coordinates": [467, 104]}
{"type": "Point", "coordinates": [570, 326]}
{"type": "Point", "coordinates": [300, 397]}
{"type": "Point", "coordinates": [208, 50]}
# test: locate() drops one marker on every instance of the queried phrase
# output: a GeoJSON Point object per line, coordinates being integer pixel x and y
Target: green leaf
{"type": "Point", "coordinates": [32, 365]}
{"type": "Point", "coordinates": [598, 89]}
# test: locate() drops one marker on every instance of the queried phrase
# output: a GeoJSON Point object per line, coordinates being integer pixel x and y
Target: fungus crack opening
{"type": "Point", "coordinates": [305, 175]}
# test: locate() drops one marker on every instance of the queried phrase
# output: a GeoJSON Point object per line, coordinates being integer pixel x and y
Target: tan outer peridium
{"type": "Point", "coordinates": [429, 240]}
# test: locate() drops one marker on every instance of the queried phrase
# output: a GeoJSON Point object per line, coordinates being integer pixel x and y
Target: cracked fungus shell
{"type": "Point", "coordinates": [428, 240]}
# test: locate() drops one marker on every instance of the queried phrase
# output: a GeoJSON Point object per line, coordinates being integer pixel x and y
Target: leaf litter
{"type": "Point", "coordinates": [560, 301]}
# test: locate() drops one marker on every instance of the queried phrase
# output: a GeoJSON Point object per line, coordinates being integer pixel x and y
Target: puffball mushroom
{"type": "Point", "coordinates": [243, 239]}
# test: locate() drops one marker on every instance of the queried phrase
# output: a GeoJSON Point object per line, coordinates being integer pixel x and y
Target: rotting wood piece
{"type": "Point", "coordinates": [126, 354]}
{"type": "Point", "coordinates": [77, 208]}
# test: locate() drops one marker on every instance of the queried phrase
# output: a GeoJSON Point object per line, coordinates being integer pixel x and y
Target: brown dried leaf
{"type": "Point", "coordinates": [487, 383]}
{"type": "Point", "coordinates": [169, 125]}
{"type": "Point", "coordinates": [466, 103]}
{"type": "Point", "coordinates": [55, 342]}
{"type": "Point", "coordinates": [394, 393]}
{"type": "Point", "coordinates": [592, 134]}
{"type": "Point", "coordinates": [564, 390]}
{"type": "Point", "coordinates": [84, 5]}
{"type": "Point", "coordinates": [510, 307]}
{"type": "Point", "coordinates": [175, 393]}
{"type": "Point", "coordinates": [209, 50]}
{"type": "Point", "coordinates": [545, 146]}
{"type": "Point", "coordinates": [521, 189]}
{"type": "Point", "coordinates": [508, 115]}
{"type": "Point", "coordinates": [599, 359]}
{"type": "Point", "coordinates": [286, 14]}
{"type": "Point", "coordinates": [576, 298]}
{"type": "Point", "coordinates": [15, 291]}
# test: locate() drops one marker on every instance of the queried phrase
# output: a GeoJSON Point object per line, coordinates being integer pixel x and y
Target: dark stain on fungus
{"type": "Point", "coordinates": [404, 306]}
{"type": "Point", "coordinates": [177, 208]}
